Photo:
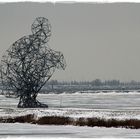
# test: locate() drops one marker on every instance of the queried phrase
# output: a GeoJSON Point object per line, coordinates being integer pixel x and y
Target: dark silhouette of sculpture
{"type": "Point", "coordinates": [29, 63]}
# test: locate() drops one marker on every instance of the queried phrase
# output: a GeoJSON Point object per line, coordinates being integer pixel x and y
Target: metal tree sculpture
{"type": "Point", "coordinates": [29, 63]}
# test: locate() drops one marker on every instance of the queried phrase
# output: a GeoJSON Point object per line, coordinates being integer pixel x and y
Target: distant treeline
{"type": "Point", "coordinates": [91, 86]}
{"type": "Point", "coordinates": [97, 84]}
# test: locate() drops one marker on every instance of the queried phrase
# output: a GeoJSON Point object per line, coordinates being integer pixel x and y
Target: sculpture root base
{"type": "Point", "coordinates": [31, 104]}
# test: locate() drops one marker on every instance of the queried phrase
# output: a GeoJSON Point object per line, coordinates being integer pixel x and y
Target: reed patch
{"type": "Point", "coordinates": [61, 120]}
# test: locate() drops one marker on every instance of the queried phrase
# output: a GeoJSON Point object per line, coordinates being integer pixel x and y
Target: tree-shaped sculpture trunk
{"type": "Point", "coordinates": [28, 101]}
{"type": "Point", "coordinates": [29, 64]}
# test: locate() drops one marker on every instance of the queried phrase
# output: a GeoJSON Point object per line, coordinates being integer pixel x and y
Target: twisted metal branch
{"type": "Point", "coordinates": [29, 63]}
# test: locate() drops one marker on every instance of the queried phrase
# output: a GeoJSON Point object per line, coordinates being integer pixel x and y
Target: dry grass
{"type": "Point", "coordinates": [54, 120]}
{"type": "Point", "coordinates": [21, 119]}
{"type": "Point", "coordinates": [58, 120]}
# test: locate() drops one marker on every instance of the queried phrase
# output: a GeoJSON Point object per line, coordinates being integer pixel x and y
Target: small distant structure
{"type": "Point", "coordinates": [29, 63]}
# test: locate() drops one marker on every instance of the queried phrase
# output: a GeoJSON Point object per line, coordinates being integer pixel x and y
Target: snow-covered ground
{"type": "Point", "coordinates": [106, 101]}
{"type": "Point", "coordinates": [31, 130]}
{"type": "Point", "coordinates": [101, 105]}
{"type": "Point", "coordinates": [71, 112]}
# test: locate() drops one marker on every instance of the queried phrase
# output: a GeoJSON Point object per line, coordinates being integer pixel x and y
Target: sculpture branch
{"type": "Point", "coordinates": [29, 63]}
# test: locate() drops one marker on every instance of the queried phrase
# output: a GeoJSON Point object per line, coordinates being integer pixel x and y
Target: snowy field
{"type": "Point", "coordinates": [101, 105]}
{"type": "Point", "coordinates": [31, 130]}
{"type": "Point", "coordinates": [103, 101]}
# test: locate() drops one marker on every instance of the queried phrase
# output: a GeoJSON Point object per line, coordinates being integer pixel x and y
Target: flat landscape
{"type": "Point", "coordinates": [61, 131]}
{"type": "Point", "coordinates": [111, 105]}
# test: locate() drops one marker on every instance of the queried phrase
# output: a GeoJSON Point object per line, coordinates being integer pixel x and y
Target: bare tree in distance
{"type": "Point", "coordinates": [29, 63]}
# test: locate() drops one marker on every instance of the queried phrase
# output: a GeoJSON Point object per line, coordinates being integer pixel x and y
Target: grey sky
{"type": "Point", "coordinates": [97, 40]}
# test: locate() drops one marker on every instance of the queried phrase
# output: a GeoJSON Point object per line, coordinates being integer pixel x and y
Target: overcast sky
{"type": "Point", "coordinates": [97, 40]}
